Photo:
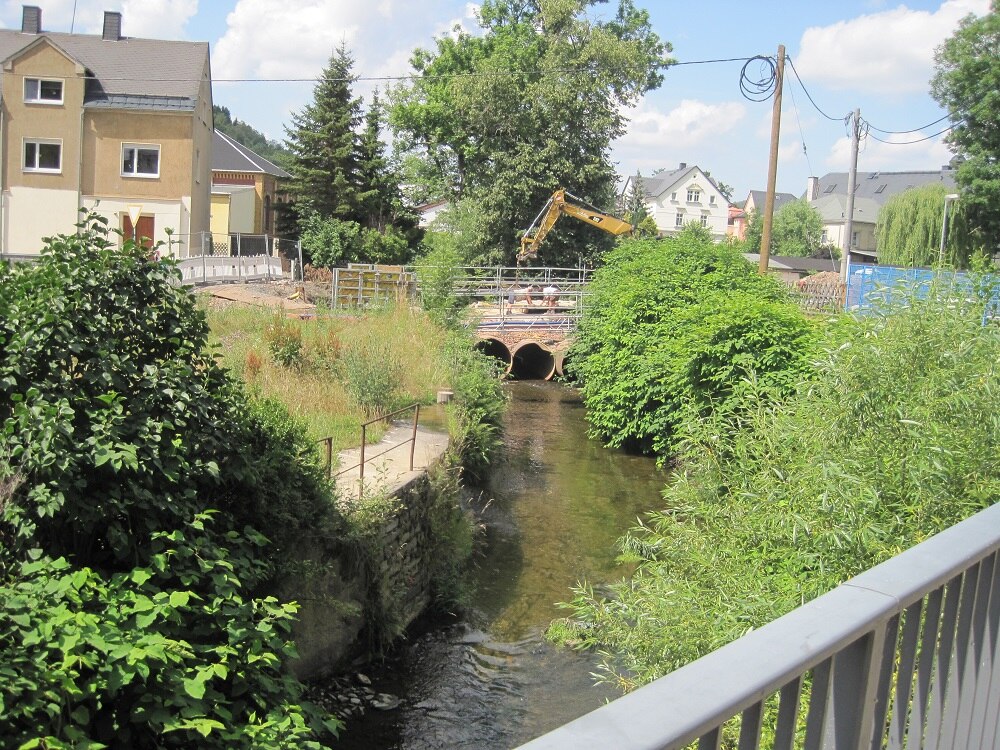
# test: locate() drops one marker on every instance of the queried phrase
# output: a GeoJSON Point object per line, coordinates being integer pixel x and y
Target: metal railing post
{"type": "Point", "coordinates": [361, 469]}
{"type": "Point", "coordinates": [204, 266]}
{"type": "Point", "coordinates": [329, 456]}
{"type": "Point", "coordinates": [413, 438]}
{"type": "Point", "coordinates": [239, 257]}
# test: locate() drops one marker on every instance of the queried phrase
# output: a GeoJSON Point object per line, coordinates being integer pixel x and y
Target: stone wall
{"type": "Point", "coordinates": [335, 588]}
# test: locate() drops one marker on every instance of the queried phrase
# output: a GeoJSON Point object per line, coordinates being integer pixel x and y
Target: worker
{"type": "Point", "coordinates": [550, 296]}
{"type": "Point", "coordinates": [528, 292]}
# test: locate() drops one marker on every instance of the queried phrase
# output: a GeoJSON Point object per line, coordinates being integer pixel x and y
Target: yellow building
{"type": "Point", "coordinates": [115, 124]}
{"type": "Point", "coordinates": [246, 188]}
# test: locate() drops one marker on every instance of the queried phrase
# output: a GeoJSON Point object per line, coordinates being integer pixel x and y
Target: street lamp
{"type": "Point", "coordinates": [944, 224]}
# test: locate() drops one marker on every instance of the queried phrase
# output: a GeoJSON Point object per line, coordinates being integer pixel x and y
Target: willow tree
{"type": "Point", "coordinates": [530, 105]}
{"type": "Point", "coordinates": [908, 232]}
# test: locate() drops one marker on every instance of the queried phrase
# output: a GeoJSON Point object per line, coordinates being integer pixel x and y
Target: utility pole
{"type": "Point", "coordinates": [772, 166]}
{"type": "Point", "coordinates": [852, 184]}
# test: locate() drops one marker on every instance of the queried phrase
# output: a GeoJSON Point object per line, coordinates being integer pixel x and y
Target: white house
{"type": "Point", "coordinates": [685, 195]}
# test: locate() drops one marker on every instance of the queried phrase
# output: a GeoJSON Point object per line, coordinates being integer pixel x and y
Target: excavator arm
{"type": "Point", "coordinates": [561, 203]}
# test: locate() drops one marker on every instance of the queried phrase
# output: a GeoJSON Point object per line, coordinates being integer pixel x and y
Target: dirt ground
{"type": "Point", "coordinates": [292, 296]}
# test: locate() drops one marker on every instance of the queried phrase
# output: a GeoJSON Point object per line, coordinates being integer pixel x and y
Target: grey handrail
{"type": "Point", "coordinates": [871, 685]}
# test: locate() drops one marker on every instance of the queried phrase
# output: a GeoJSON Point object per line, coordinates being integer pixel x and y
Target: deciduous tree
{"type": "Point", "coordinates": [797, 230]}
{"type": "Point", "coordinates": [529, 106]}
{"type": "Point", "coordinates": [967, 84]}
{"type": "Point", "coordinates": [908, 232]}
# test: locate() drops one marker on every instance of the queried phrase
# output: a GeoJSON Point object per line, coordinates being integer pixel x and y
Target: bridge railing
{"type": "Point", "coordinates": [904, 655]}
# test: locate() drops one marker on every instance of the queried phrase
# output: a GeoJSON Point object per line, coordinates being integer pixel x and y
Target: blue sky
{"type": "Point", "coordinates": [870, 54]}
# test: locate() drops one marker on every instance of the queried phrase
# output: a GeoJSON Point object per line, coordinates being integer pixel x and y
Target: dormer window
{"type": "Point", "coordinates": [43, 91]}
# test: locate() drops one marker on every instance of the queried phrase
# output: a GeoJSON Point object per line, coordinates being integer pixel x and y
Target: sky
{"type": "Point", "coordinates": [869, 54]}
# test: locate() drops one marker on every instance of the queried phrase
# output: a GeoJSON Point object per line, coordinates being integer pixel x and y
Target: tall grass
{"type": "Point", "coordinates": [334, 372]}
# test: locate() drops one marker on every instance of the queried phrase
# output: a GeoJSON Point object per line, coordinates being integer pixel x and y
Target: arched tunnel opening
{"type": "Point", "coordinates": [498, 350]}
{"type": "Point", "coordinates": [531, 361]}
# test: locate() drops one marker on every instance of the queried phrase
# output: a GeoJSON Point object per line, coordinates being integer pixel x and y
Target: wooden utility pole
{"type": "Point", "coordinates": [852, 184]}
{"type": "Point", "coordinates": [772, 166]}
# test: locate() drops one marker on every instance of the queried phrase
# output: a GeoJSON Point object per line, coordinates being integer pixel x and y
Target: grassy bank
{"type": "Point", "coordinates": [335, 372]}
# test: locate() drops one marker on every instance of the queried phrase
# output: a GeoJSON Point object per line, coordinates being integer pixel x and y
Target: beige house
{"type": "Point", "coordinates": [684, 196]}
{"type": "Point", "coordinates": [119, 125]}
{"type": "Point", "coordinates": [246, 189]}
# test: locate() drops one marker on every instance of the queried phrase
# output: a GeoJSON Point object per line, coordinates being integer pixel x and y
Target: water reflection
{"type": "Point", "coordinates": [552, 510]}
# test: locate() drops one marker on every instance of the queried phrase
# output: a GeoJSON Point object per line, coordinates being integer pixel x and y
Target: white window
{"type": "Point", "coordinates": [43, 91]}
{"type": "Point", "coordinates": [704, 220]}
{"type": "Point", "coordinates": [679, 220]}
{"type": "Point", "coordinates": [140, 160]}
{"type": "Point", "coordinates": [711, 200]}
{"type": "Point", "coordinates": [694, 195]}
{"type": "Point", "coordinates": [825, 237]}
{"type": "Point", "coordinates": [854, 238]}
{"type": "Point", "coordinates": [673, 196]}
{"type": "Point", "coordinates": [42, 155]}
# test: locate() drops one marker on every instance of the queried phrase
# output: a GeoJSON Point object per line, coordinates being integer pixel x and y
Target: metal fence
{"type": "Point", "coordinates": [874, 288]}
{"type": "Point", "coordinates": [904, 656]}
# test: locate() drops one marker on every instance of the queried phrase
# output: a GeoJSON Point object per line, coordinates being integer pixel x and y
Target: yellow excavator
{"type": "Point", "coordinates": [561, 203]}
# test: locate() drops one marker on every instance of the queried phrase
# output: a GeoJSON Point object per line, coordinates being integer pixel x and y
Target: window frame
{"type": "Point", "coordinates": [137, 147]}
{"type": "Point", "coordinates": [40, 142]}
{"type": "Point", "coordinates": [679, 220]}
{"type": "Point", "coordinates": [693, 195]}
{"type": "Point", "coordinates": [38, 99]}
{"type": "Point", "coordinates": [704, 220]}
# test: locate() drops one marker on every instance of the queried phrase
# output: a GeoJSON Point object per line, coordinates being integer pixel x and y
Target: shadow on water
{"type": "Point", "coordinates": [552, 510]}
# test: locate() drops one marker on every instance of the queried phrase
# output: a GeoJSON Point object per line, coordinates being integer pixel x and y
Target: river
{"type": "Point", "coordinates": [551, 512]}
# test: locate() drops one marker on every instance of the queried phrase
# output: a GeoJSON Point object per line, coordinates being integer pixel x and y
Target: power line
{"type": "Point", "coordinates": [809, 96]}
{"type": "Point", "coordinates": [759, 89]}
{"type": "Point", "coordinates": [912, 130]}
{"type": "Point", "coordinates": [919, 140]}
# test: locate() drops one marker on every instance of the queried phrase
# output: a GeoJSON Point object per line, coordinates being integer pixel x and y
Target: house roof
{"type": "Point", "coordinates": [155, 69]}
{"type": "Point", "coordinates": [795, 263]}
{"type": "Point", "coordinates": [759, 197]}
{"type": "Point", "coordinates": [833, 208]}
{"type": "Point", "coordinates": [659, 183]}
{"type": "Point", "coordinates": [230, 156]}
{"type": "Point", "coordinates": [881, 186]}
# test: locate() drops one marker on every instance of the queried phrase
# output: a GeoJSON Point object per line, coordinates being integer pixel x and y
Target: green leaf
{"type": "Point", "coordinates": [195, 688]}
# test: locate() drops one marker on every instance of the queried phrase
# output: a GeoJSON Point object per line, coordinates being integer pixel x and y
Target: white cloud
{"type": "Point", "coordinates": [278, 39]}
{"type": "Point", "coordinates": [889, 52]}
{"type": "Point", "coordinates": [689, 123]}
{"type": "Point", "coordinates": [158, 19]}
{"type": "Point", "coordinates": [899, 155]}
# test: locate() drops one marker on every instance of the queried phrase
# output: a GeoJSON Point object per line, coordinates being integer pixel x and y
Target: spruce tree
{"type": "Point", "coordinates": [323, 141]}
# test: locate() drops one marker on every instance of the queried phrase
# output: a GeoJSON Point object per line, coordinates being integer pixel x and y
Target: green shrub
{"type": "Point", "coordinates": [119, 429]}
{"type": "Point", "coordinates": [372, 373]}
{"type": "Point", "coordinates": [674, 329]}
{"type": "Point", "coordinates": [284, 341]}
{"type": "Point", "coordinates": [172, 654]}
{"type": "Point", "coordinates": [897, 438]}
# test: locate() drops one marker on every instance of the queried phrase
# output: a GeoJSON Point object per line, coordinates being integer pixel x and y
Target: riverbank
{"type": "Point", "coordinates": [549, 513]}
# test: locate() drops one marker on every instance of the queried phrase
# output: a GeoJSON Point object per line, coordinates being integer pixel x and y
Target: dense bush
{"type": "Point", "coordinates": [676, 328]}
{"type": "Point", "coordinates": [119, 432]}
{"type": "Point", "coordinates": [897, 438]}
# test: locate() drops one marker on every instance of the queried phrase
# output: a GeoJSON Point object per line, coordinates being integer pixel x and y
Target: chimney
{"type": "Point", "coordinates": [31, 19]}
{"type": "Point", "coordinates": [112, 26]}
{"type": "Point", "coordinates": [684, 165]}
{"type": "Point", "coordinates": [812, 189]}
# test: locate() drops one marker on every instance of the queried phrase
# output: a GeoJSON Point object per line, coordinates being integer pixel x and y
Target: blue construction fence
{"type": "Point", "coordinates": [875, 288]}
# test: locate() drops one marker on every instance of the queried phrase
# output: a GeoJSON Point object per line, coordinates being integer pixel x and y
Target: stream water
{"type": "Point", "coordinates": [551, 512]}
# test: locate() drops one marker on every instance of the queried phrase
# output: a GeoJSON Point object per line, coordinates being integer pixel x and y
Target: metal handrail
{"type": "Point", "coordinates": [412, 440]}
{"type": "Point", "coordinates": [904, 655]}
